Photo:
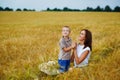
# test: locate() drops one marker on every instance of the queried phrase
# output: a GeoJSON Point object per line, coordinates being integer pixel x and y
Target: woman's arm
{"type": "Point", "coordinates": [81, 58]}
{"type": "Point", "coordinates": [72, 57]}
{"type": "Point", "coordinates": [74, 44]}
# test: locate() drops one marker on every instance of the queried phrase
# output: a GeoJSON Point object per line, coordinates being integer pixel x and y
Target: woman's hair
{"type": "Point", "coordinates": [88, 39]}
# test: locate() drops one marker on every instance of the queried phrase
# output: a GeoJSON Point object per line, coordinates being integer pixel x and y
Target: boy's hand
{"type": "Point", "coordinates": [74, 45]}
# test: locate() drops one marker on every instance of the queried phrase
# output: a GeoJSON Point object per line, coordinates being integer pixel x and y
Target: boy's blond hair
{"type": "Point", "coordinates": [67, 27]}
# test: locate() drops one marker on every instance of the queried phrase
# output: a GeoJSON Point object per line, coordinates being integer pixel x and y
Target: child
{"type": "Point", "coordinates": [65, 50]}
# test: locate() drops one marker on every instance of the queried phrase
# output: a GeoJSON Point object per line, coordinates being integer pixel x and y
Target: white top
{"type": "Point", "coordinates": [80, 51]}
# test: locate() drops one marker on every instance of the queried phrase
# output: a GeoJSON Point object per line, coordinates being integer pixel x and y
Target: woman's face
{"type": "Point", "coordinates": [82, 36]}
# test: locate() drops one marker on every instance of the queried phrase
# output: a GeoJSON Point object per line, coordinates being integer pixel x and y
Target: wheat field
{"type": "Point", "coordinates": [28, 39]}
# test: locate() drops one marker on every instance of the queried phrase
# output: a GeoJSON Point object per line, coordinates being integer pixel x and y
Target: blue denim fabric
{"type": "Point", "coordinates": [64, 65]}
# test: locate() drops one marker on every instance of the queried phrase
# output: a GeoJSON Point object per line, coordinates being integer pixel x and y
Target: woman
{"type": "Point", "coordinates": [82, 51]}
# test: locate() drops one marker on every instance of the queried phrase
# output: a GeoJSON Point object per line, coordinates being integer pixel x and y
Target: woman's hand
{"type": "Point", "coordinates": [74, 45]}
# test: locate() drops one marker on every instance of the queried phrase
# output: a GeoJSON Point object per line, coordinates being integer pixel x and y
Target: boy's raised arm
{"type": "Point", "coordinates": [69, 48]}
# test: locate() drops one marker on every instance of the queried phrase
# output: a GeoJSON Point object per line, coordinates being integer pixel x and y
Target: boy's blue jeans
{"type": "Point", "coordinates": [64, 65]}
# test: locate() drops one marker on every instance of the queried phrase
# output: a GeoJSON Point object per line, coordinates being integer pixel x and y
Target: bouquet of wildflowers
{"type": "Point", "coordinates": [50, 67]}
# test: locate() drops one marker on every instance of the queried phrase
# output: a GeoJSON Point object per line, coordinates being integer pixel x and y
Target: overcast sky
{"type": "Point", "coordinates": [43, 4]}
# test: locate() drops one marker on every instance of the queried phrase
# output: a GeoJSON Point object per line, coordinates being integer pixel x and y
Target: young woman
{"type": "Point", "coordinates": [82, 51]}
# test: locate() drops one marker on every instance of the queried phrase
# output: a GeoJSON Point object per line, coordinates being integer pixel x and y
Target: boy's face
{"type": "Point", "coordinates": [65, 32]}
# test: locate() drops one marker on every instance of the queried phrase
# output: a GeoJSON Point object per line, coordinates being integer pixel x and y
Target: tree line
{"type": "Point", "coordinates": [18, 9]}
{"type": "Point", "coordinates": [98, 8]}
